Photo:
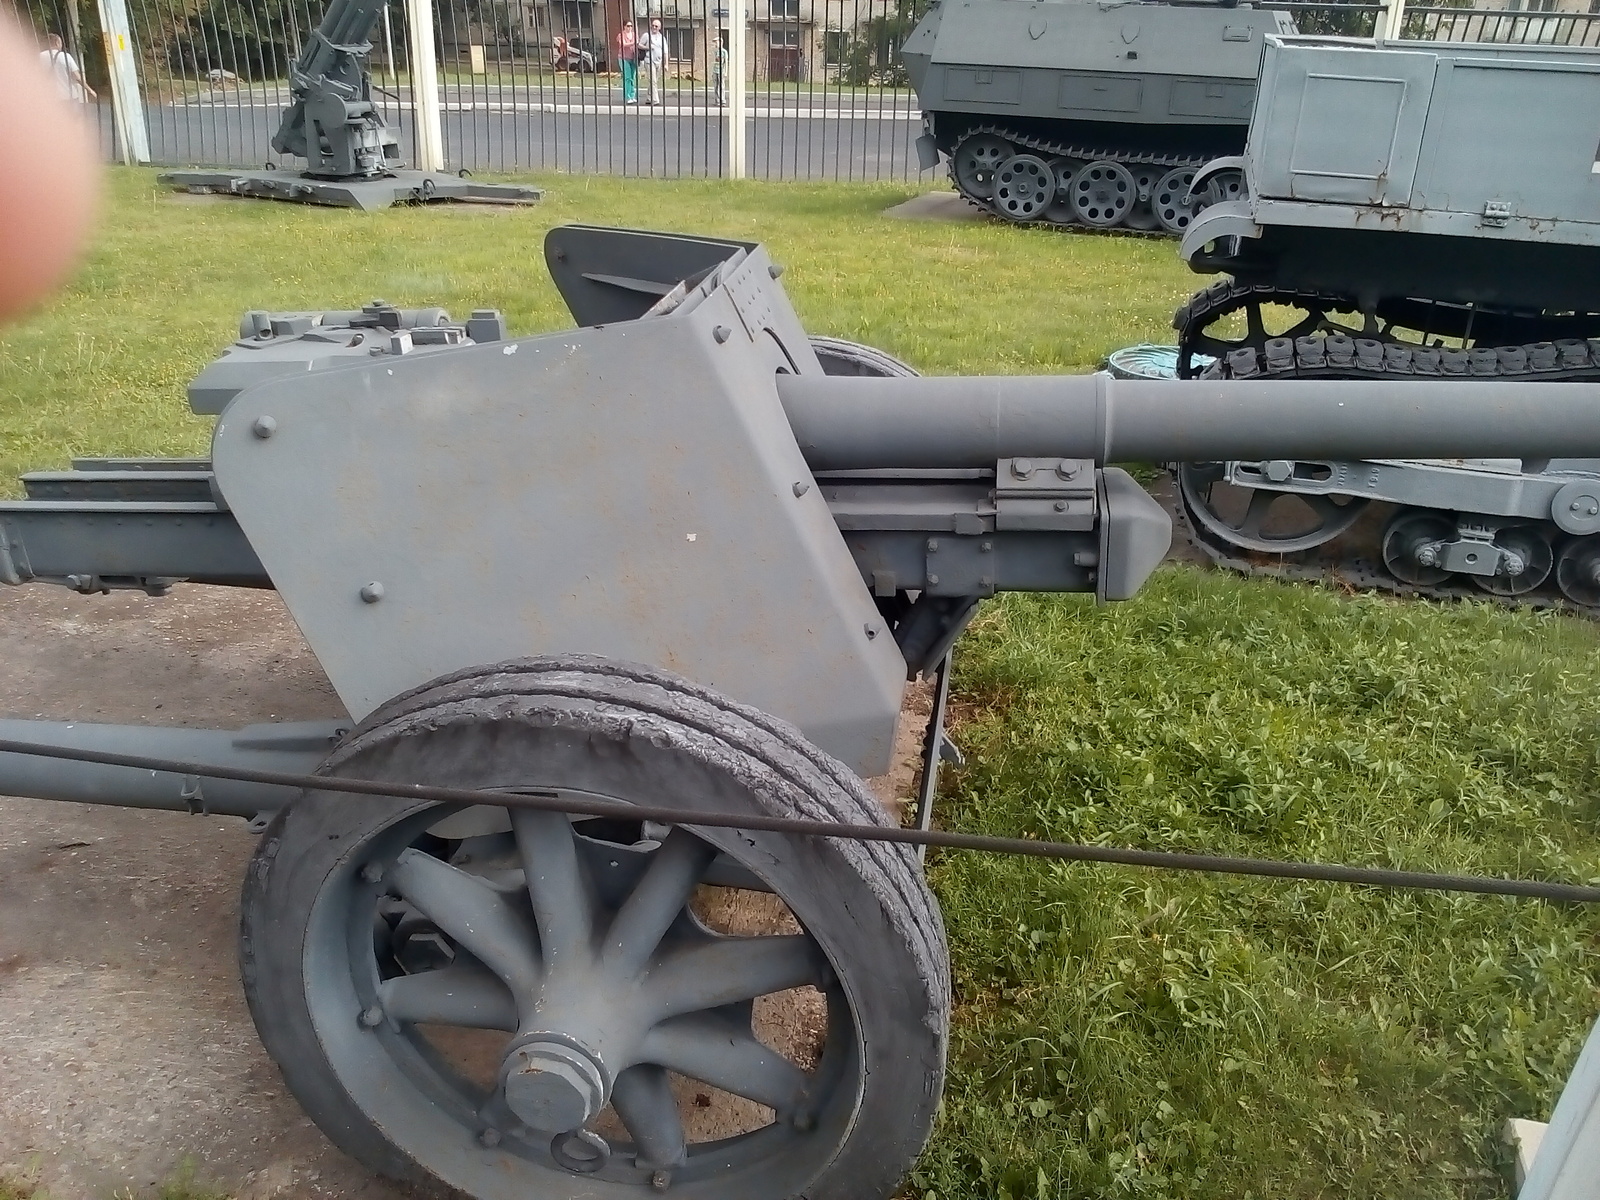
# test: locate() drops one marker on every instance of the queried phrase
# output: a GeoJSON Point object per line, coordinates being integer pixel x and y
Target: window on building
{"type": "Point", "coordinates": [785, 39]}
{"type": "Point", "coordinates": [577, 14]}
{"type": "Point", "coordinates": [680, 42]}
{"type": "Point", "coordinates": [836, 45]}
{"type": "Point", "coordinates": [785, 8]}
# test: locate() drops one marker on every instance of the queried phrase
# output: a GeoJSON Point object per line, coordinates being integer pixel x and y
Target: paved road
{"type": "Point", "coordinates": [791, 135]}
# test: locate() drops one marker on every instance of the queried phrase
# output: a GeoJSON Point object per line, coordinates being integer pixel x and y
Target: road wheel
{"type": "Point", "coordinates": [512, 1003]}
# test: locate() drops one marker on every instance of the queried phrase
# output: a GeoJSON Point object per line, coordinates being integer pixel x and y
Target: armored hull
{"type": "Point", "coordinates": [1403, 219]}
{"type": "Point", "coordinates": [1088, 114]}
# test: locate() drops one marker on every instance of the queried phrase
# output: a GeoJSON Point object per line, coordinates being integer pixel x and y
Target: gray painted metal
{"type": "Point", "coordinates": [629, 491]}
{"type": "Point", "coordinates": [1374, 172]}
{"type": "Point", "coordinates": [292, 747]}
{"type": "Point", "coordinates": [383, 191]}
{"type": "Point", "coordinates": [333, 124]}
{"type": "Point", "coordinates": [1568, 1162]}
{"type": "Point", "coordinates": [1153, 86]}
{"type": "Point", "coordinates": [970, 421]}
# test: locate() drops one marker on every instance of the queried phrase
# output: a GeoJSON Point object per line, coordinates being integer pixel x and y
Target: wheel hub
{"type": "Point", "coordinates": [553, 1085]}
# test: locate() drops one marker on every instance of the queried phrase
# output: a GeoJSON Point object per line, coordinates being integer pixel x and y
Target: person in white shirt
{"type": "Point", "coordinates": [653, 57]}
{"type": "Point", "coordinates": [64, 68]}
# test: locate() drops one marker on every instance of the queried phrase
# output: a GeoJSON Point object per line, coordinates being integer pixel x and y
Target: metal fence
{"type": "Point", "coordinates": [552, 84]}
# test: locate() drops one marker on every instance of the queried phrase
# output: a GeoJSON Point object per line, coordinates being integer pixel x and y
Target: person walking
{"type": "Point", "coordinates": [64, 69]}
{"type": "Point", "coordinates": [628, 56]}
{"type": "Point", "coordinates": [653, 55]}
{"type": "Point", "coordinates": [719, 71]}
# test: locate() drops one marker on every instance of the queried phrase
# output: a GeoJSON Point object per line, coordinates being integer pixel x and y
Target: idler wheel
{"type": "Point", "coordinates": [975, 162]}
{"type": "Point", "coordinates": [583, 968]}
{"type": "Point", "coordinates": [1172, 202]}
{"type": "Point", "coordinates": [1024, 186]}
{"type": "Point", "coordinates": [1102, 194]}
{"type": "Point", "coordinates": [1261, 519]}
{"type": "Point", "coordinates": [1578, 571]}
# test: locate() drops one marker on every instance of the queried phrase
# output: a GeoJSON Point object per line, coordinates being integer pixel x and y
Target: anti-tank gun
{"type": "Point", "coordinates": [664, 558]}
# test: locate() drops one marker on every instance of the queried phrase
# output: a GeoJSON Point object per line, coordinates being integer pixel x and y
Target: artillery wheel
{"type": "Point", "coordinates": [975, 161]}
{"type": "Point", "coordinates": [1260, 519]}
{"type": "Point", "coordinates": [1578, 571]}
{"type": "Point", "coordinates": [1407, 532]}
{"type": "Point", "coordinates": [1532, 549]}
{"type": "Point", "coordinates": [506, 1003]}
{"type": "Point", "coordinates": [1102, 193]}
{"type": "Point", "coordinates": [839, 357]}
{"type": "Point", "coordinates": [1174, 206]}
{"type": "Point", "coordinates": [1024, 186]}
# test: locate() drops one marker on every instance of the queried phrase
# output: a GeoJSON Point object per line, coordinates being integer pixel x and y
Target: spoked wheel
{"type": "Point", "coordinates": [1024, 186]}
{"type": "Point", "coordinates": [1409, 544]}
{"type": "Point", "coordinates": [514, 1004]}
{"type": "Point", "coordinates": [1174, 207]}
{"type": "Point", "coordinates": [1060, 210]}
{"type": "Point", "coordinates": [1102, 193]}
{"type": "Point", "coordinates": [1578, 571]}
{"type": "Point", "coordinates": [1290, 317]}
{"type": "Point", "coordinates": [1142, 214]}
{"type": "Point", "coordinates": [1527, 561]}
{"type": "Point", "coordinates": [975, 162]}
{"type": "Point", "coordinates": [841, 357]}
{"type": "Point", "coordinates": [1261, 520]}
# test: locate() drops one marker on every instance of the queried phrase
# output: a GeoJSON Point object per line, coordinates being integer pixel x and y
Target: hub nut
{"type": "Point", "coordinates": [552, 1086]}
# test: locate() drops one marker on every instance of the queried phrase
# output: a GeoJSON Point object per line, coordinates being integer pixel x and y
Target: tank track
{"type": "Point", "coordinates": [1048, 149]}
{"type": "Point", "coordinates": [1339, 356]}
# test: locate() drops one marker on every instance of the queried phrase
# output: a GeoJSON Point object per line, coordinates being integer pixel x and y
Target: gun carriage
{"type": "Point", "coordinates": [664, 558]}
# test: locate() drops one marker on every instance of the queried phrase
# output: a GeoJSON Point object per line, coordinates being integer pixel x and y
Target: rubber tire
{"type": "Point", "coordinates": [618, 724]}
{"type": "Point", "coordinates": [841, 357]}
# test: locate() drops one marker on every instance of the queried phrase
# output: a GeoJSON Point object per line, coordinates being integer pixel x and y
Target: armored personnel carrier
{"type": "Point", "coordinates": [1419, 214]}
{"type": "Point", "coordinates": [1093, 114]}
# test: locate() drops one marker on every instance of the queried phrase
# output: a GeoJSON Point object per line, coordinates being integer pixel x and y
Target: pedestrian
{"type": "Point", "coordinates": [628, 56]}
{"type": "Point", "coordinates": [653, 56]}
{"type": "Point", "coordinates": [70, 82]}
{"type": "Point", "coordinates": [719, 72]}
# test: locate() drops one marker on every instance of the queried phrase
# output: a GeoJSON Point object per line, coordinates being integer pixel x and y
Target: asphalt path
{"type": "Point", "coordinates": [488, 128]}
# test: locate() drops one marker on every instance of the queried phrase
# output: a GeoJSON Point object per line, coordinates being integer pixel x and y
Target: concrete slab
{"type": "Point", "coordinates": [936, 206]}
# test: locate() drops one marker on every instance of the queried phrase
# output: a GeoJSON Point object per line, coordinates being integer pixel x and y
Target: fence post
{"type": "Point", "coordinates": [738, 83]}
{"type": "Point", "coordinates": [425, 86]}
{"type": "Point", "coordinates": [127, 104]}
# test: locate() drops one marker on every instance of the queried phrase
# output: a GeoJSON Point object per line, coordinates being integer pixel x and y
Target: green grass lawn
{"type": "Point", "coordinates": [1118, 1032]}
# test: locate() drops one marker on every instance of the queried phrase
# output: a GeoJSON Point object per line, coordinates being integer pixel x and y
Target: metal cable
{"type": "Point", "coordinates": [581, 804]}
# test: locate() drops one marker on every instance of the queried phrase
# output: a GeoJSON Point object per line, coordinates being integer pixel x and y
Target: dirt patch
{"type": "Point", "coordinates": [126, 1051]}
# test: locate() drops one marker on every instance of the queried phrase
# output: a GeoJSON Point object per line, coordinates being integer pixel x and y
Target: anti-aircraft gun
{"type": "Point", "coordinates": [351, 153]}
{"type": "Point", "coordinates": [1087, 112]}
{"type": "Point", "coordinates": [662, 561]}
{"type": "Point", "coordinates": [1419, 215]}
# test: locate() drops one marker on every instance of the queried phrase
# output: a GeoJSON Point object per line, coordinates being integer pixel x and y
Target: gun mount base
{"type": "Point", "coordinates": [399, 187]}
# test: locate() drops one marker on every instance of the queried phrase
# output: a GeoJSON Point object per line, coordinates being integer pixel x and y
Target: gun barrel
{"type": "Point", "coordinates": [852, 423]}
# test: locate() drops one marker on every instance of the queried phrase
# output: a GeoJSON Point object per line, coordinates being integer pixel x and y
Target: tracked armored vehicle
{"type": "Point", "coordinates": [1414, 215]}
{"type": "Point", "coordinates": [1087, 114]}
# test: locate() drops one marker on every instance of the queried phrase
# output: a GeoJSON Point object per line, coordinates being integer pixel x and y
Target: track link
{"type": "Point", "coordinates": [1341, 356]}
